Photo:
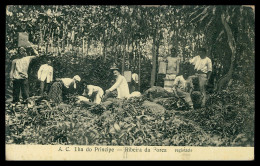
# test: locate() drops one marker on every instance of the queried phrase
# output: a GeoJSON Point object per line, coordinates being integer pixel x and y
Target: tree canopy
{"type": "Point", "coordinates": [125, 34]}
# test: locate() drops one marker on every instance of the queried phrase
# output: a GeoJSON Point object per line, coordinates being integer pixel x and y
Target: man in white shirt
{"type": "Point", "coordinates": [182, 87]}
{"type": "Point", "coordinates": [70, 82]}
{"type": "Point", "coordinates": [45, 75]}
{"type": "Point", "coordinates": [120, 84]}
{"type": "Point", "coordinates": [94, 91]}
{"type": "Point", "coordinates": [203, 68]}
{"type": "Point", "coordinates": [173, 63]}
{"type": "Point", "coordinates": [19, 74]}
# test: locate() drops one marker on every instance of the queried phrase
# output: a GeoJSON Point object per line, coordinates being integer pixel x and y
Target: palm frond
{"type": "Point", "coordinates": [210, 21]}
{"type": "Point", "coordinates": [204, 12]}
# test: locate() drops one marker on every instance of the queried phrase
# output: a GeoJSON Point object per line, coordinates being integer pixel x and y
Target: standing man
{"type": "Point", "coordinates": [173, 63]}
{"type": "Point", "coordinates": [135, 81]}
{"type": "Point", "coordinates": [120, 84]}
{"type": "Point", "coordinates": [19, 74]}
{"type": "Point", "coordinates": [203, 69]}
{"type": "Point", "coordinates": [45, 75]}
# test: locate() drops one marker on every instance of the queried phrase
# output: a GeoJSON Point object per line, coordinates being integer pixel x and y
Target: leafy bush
{"type": "Point", "coordinates": [229, 115]}
{"type": "Point", "coordinates": [130, 122]}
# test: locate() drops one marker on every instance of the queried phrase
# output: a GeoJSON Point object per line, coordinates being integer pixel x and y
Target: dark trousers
{"type": "Point", "coordinates": [135, 86]}
{"type": "Point", "coordinates": [44, 87]}
{"type": "Point", "coordinates": [20, 85]}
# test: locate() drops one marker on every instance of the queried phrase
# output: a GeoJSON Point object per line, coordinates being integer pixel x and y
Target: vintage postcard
{"type": "Point", "coordinates": [146, 82]}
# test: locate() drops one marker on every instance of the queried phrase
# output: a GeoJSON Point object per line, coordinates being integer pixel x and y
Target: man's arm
{"type": "Point", "coordinates": [35, 52]}
{"type": "Point", "coordinates": [209, 69]}
{"type": "Point", "coordinates": [84, 93]}
{"type": "Point", "coordinates": [209, 65]}
{"type": "Point", "coordinates": [193, 60]}
{"type": "Point", "coordinates": [40, 72]}
{"type": "Point", "coordinates": [116, 85]}
{"type": "Point", "coordinates": [90, 90]}
{"type": "Point", "coordinates": [190, 84]}
{"type": "Point", "coordinates": [175, 91]}
{"type": "Point", "coordinates": [12, 69]}
{"type": "Point", "coordinates": [178, 66]}
{"type": "Point", "coordinates": [209, 74]}
{"type": "Point", "coordinates": [175, 83]}
{"type": "Point", "coordinates": [51, 74]}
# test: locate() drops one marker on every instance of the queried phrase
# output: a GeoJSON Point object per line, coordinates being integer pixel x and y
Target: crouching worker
{"type": "Point", "coordinates": [62, 87]}
{"type": "Point", "coordinates": [182, 87]}
{"type": "Point", "coordinates": [92, 91]}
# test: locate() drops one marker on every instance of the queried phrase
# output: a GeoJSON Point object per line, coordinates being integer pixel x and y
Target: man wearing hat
{"type": "Point", "coordinates": [19, 74]}
{"type": "Point", "coordinates": [121, 84]}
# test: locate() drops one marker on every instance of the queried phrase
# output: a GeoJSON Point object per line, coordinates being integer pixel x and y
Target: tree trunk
{"type": "Point", "coordinates": [128, 55]}
{"type": "Point", "coordinates": [83, 46]}
{"type": "Point", "coordinates": [133, 52]}
{"type": "Point", "coordinates": [154, 61]}
{"type": "Point", "coordinates": [139, 70]}
{"type": "Point", "coordinates": [59, 44]}
{"type": "Point", "coordinates": [52, 42]}
{"type": "Point", "coordinates": [40, 37]}
{"type": "Point", "coordinates": [88, 45]}
{"type": "Point", "coordinates": [63, 37]}
{"type": "Point", "coordinates": [157, 55]}
{"type": "Point", "coordinates": [136, 54]}
{"type": "Point", "coordinates": [115, 52]}
{"type": "Point", "coordinates": [223, 81]}
{"type": "Point", "coordinates": [123, 61]}
{"type": "Point", "coordinates": [104, 46]}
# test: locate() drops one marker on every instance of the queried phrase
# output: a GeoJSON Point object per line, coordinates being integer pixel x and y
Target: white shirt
{"type": "Point", "coordinates": [21, 67]}
{"type": "Point", "coordinates": [121, 86]}
{"type": "Point", "coordinates": [68, 81]}
{"type": "Point", "coordinates": [135, 77]}
{"type": "Point", "coordinates": [92, 88]}
{"type": "Point", "coordinates": [45, 73]}
{"type": "Point", "coordinates": [205, 65]}
{"type": "Point", "coordinates": [181, 83]}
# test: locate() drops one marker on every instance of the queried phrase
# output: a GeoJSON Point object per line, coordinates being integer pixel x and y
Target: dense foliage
{"type": "Point", "coordinates": [130, 34]}
{"type": "Point", "coordinates": [87, 40]}
{"type": "Point", "coordinates": [228, 121]}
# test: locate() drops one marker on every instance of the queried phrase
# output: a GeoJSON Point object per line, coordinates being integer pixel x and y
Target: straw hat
{"type": "Point", "coordinates": [22, 49]}
{"type": "Point", "coordinates": [77, 78]}
{"type": "Point", "coordinates": [114, 67]}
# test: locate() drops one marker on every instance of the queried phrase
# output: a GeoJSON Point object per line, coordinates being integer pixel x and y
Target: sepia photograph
{"type": "Point", "coordinates": [129, 79]}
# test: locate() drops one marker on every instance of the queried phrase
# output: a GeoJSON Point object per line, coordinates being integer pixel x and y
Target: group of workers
{"type": "Point", "coordinates": [182, 86]}
{"type": "Point", "coordinates": [59, 88]}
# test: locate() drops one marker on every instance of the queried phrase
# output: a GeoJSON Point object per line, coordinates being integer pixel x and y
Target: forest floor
{"type": "Point", "coordinates": [227, 120]}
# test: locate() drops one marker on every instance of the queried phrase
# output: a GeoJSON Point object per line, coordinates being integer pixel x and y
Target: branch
{"type": "Point", "coordinates": [204, 17]}
{"type": "Point", "coordinates": [210, 21]}
{"type": "Point", "coordinates": [231, 40]}
{"type": "Point", "coordinates": [222, 32]}
{"type": "Point", "coordinates": [202, 13]}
